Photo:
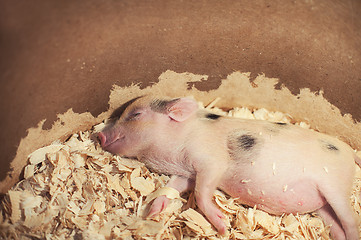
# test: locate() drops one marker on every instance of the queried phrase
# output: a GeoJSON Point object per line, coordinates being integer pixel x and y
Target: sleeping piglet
{"type": "Point", "coordinates": [279, 167]}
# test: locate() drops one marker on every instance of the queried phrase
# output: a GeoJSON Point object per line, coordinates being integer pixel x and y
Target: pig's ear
{"type": "Point", "coordinates": [182, 109]}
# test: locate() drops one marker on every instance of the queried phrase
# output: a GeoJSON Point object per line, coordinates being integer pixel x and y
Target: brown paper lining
{"type": "Point", "coordinates": [236, 90]}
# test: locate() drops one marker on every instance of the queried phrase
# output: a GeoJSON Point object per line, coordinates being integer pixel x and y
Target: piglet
{"type": "Point", "coordinates": [279, 167]}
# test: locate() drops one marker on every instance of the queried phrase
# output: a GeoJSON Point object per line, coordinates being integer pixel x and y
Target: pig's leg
{"type": "Point", "coordinates": [330, 218]}
{"type": "Point", "coordinates": [338, 199]}
{"type": "Point", "coordinates": [181, 184]}
{"type": "Point", "coordinates": [206, 183]}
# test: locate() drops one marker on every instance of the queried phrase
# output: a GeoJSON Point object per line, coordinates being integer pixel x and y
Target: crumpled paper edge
{"type": "Point", "coordinates": [235, 90]}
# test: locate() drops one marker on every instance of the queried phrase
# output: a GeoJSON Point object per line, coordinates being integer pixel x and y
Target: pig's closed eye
{"type": "Point", "coordinates": [133, 116]}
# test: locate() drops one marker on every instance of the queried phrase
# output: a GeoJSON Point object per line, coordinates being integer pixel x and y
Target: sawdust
{"type": "Point", "coordinates": [73, 189]}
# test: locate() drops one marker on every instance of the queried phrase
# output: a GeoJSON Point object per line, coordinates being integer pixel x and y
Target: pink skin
{"type": "Point", "coordinates": [181, 184]}
{"type": "Point", "coordinates": [279, 168]}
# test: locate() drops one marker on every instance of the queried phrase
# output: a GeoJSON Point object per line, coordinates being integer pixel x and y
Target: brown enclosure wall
{"type": "Point", "coordinates": [56, 55]}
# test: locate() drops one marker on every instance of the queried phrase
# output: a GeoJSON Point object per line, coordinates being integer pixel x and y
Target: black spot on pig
{"type": "Point", "coordinates": [117, 113]}
{"type": "Point", "coordinates": [329, 146]}
{"type": "Point", "coordinates": [162, 105]}
{"type": "Point", "coordinates": [246, 142]}
{"type": "Point", "coordinates": [281, 123]}
{"type": "Point", "coordinates": [275, 127]}
{"type": "Point", "coordinates": [243, 145]}
{"type": "Point", "coordinates": [212, 116]}
{"type": "Point", "coordinates": [159, 105]}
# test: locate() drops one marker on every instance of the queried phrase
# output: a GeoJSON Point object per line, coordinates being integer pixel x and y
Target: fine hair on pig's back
{"type": "Point", "coordinates": [278, 161]}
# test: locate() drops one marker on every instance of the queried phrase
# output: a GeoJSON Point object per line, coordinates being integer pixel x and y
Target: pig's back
{"type": "Point", "coordinates": [282, 164]}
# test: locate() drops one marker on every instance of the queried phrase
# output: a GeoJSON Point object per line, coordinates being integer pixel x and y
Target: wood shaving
{"type": "Point", "coordinates": [75, 190]}
{"type": "Point", "coordinates": [171, 193]}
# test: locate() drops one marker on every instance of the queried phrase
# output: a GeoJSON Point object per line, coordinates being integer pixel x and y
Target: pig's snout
{"type": "Point", "coordinates": [102, 138]}
{"type": "Point", "coordinates": [111, 140]}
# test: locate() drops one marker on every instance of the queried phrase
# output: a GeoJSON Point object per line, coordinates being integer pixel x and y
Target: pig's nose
{"type": "Point", "coordinates": [102, 138]}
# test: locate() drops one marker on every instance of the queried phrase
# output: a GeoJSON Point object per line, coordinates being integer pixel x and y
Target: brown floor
{"type": "Point", "coordinates": [56, 55]}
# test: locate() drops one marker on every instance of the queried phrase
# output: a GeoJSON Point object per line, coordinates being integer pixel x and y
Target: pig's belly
{"type": "Point", "coordinates": [277, 198]}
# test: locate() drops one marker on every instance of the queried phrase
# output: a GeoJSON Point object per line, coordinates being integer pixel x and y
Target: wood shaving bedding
{"type": "Point", "coordinates": [75, 190]}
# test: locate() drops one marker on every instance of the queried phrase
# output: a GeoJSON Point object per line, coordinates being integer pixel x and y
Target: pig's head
{"type": "Point", "coordinates": [139, 123]}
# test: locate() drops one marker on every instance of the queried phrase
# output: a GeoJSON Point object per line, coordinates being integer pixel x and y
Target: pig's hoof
{"type": "Point", "coordinates": [220, 226]}
{"type": "Point", "coordinates": [222, 229]}
{"type": "Point", "coordinates": [216, 218]}
{"type": "Point", "coordinates": [158, 205]}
